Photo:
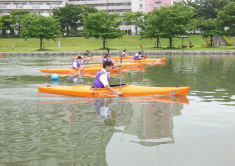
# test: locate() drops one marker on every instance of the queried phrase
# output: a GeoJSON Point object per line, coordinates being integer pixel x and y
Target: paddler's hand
{"type": "Point", "coordinates": [119, 93]}
{"type": "Point", "coordinates": [119, 65]}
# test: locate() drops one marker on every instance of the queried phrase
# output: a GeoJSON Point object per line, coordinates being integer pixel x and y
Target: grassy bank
{"type": "Point", "coordinates": [131, 42]}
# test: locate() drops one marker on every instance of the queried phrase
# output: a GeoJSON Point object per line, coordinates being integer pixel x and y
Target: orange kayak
{"type": "Point", "coordinates": [127, 91]}
{"type": "Point", "coordinates": [143, 60]}
{"type": "Point", "coordinates": [124, 57]}
{"type": "Point", "coordinates": [73, 70]}
{"type": "Point", "coordinates": [140, 64]}
{"type": "Point", "coordinates": [0, 56]}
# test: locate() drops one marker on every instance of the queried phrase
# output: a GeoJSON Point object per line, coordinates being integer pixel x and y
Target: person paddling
{"type": "Point", "coordinates": [137, 56]}
{"type": "Point", "coordinates": [87, 53]}
{"type": "Point", "coordinates": [77, 63]}
{"type": "Point", "coordinates": [106, 58]}
{"type": "Point", "coordinates": [124, 53]}
{"type": "Point", "coordinates": [102, 77]}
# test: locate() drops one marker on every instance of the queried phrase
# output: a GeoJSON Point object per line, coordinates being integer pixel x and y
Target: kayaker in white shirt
{"type": "Point", "coordinates": [102, 77]}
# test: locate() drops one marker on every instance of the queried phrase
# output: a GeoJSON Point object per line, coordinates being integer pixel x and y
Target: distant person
{"type": "Point", "coordinates": [124, 53]}
{"type": "Point", "coordinates": [102, 77]}
{"type": "Point", "coordinates": [77, 63]}
{"type": "Point", "coordinates": [190, 44]}
{"type": "Point", "coordinates": [87, 53]}
{"type": "Point", "coordinates": [138, 56]}
{"type": "Point", "coordinates": [106, 58]}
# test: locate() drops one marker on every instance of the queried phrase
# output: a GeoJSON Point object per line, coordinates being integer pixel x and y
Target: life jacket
{"type": "Point", "coordinates": [123, 54]}
{"type": "Point", "coordinates": [105, 59]}
{"type": "Point", "coordinates": [78, 63]}
{"type": "Point", "coordinates": [97, 82]}
{"type": "Point", "coordinates": [136, 56]}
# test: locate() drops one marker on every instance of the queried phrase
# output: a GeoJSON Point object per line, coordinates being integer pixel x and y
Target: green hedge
{"type": "Point", "coordinates": [226, 40]}
{"type": "Point", "coordinates": [208, 39]}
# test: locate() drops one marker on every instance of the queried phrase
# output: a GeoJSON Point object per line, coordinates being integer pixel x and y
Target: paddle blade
{"type": "Point", "coordinates": [141, 46]}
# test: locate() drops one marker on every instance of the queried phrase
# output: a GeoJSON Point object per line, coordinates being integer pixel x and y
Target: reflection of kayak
{"type": "Point", "coordinates": [73, 70]}
{"type": "Point", "coordinates": [0, 56]}
{"type": "Point", "coordinates": [88, 74]}
{"type": "Point", "coordinates": [166, 99]}
{"type": "Point", "coordinates": [143, 60]}
{"type": "Point", "coordinates": [127, 91]}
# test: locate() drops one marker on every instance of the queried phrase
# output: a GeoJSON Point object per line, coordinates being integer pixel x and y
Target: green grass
{"type": "Point", "coordinates": [131, 42]}
{"type": "Point", "coordinates": [232, 39]}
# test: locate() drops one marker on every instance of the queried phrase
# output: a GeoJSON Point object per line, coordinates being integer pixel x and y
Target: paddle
{"type": "Point", "coordinates": [87, 61]}
{"type": "Point", "coordinates": [90, 51]}
{"type": "Point", "coordinates": [143, 50]}
{"type": "Point", "coordinates": [109, 55]}
{"type": "Point", "coordinates": [120, 74]}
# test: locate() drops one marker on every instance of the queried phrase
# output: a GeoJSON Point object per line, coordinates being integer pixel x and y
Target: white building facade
{"type": "Point", "coordinates": [42, 7]}
{"type": "Point", "coordinates": [114, 6]}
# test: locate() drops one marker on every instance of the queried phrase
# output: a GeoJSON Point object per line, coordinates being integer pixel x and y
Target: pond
{"type": "Point", "coordinates": [49, 129]}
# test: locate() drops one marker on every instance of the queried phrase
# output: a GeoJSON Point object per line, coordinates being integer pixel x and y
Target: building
{"type": "Point", "coordinates": [42, 7]}
{"type": "Point", "coordinates": [122, 6]}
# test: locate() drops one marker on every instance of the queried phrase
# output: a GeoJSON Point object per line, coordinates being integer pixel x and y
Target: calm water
{"type": "Point", "coordinates": [39, 129]}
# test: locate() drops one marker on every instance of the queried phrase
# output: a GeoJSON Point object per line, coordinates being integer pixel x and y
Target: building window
{"type": "Point", "coordinates": [151, 5]}
{"type": "Point", "coordinates": [166, 4]}
{"type": "Point", "coordinates": [141, 6]}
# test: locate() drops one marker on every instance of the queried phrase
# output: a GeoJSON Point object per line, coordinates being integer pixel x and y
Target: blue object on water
{"type": "Point", "coordinates": [54, 76]}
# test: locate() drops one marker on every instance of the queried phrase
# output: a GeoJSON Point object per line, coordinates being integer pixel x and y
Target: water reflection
{"type": "Point", "coordinates": [85, 132]}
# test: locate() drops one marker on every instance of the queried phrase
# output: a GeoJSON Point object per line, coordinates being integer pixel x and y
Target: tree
{"type": "Point", "coordinates": [168, 22]}
{"type": "Point", "coordinates": [226, 18]}
{"type": "Point", "coordinates": [17, 17]}
{"type": "Point", "coordinates": [86, 10]}
{"type": "Point", "coordinates": [207, 8]}
{"type": "Point", "coordinates": [102, 25]}
{"type": "Point", "coordinates": [208, 28]}
{"type": "Point", "coordinates": [134, 18]}
{"type": "Point", "coordinates": [34, 26]}
{"type": "Point", "coordinates": [5, 22]}
{"type": "Point", "coordinates": [68, 16]}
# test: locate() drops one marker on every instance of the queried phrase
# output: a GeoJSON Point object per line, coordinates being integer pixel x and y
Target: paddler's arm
{"type": "Point", "coordinates": [118, 65]}
{"type": "Point", "coordinates": [112, 90]}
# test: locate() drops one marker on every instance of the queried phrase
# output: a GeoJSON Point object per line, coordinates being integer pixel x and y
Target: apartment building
{"type": "Point", "coordinates": [122, 6]}
{"type": "Point", "coordinates": [42, 7]}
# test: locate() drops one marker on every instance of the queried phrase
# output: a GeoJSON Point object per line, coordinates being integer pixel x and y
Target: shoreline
{"type": "Point", "coordinates": [217, 52]}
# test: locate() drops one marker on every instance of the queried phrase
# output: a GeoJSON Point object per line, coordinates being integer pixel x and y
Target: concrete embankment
{"type": "Point", "coordinates": [116, 53]}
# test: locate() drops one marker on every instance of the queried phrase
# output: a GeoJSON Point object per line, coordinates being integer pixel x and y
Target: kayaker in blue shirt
{"type": "Point", "coordinates": [138, 56]}
{"type": "Point", "coordinates": [102, 77]}
{"type": "Point", "coordinates": [77, 63]}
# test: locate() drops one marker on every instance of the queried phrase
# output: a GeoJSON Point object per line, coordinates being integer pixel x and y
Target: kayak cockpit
{"type": "Point", "coordinates": [118, 85]}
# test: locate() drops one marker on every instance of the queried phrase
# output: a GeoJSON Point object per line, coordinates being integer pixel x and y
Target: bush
{"type": "Point", "coordinates": [208, 39]}
{"type": "Point", "coordinates": [226, 40]}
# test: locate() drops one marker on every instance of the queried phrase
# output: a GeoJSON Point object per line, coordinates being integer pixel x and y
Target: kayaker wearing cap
{"type": "Point", "coordinates": [77, 63]}
{"type": "Point", "coordinates": [106, 58]}
{"type": "Point", "coordinates": [124, 53]}
{"type": "Point", "coordinates": [102, 77]}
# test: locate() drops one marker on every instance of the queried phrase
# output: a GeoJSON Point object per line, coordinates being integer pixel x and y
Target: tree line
{"type": "Point", "coordinates": [212, 17]}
